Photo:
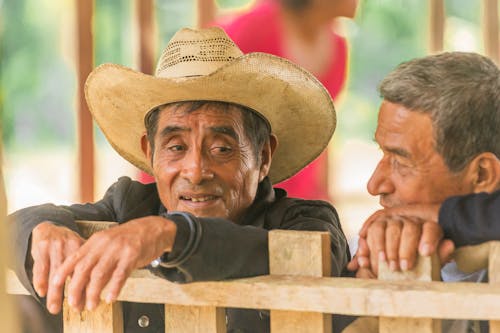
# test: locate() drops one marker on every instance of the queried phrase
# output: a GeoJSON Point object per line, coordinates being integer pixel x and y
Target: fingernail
{"type": "Point", "coordinates": [90, 305]}
{"type": "Point", "coordinates": [51, 307]}
{"type": "Point", "coordinates": [109, 298]}
{"type": "Point", "coordinates": [425, 249]}
{"type": "Point", "coordinates": [381, 256]}
{"type": "Point", "coordinates": [71, 301]}
{"type": "Point", "coordinates": [56, 280]}
{"type": "Point", "coordinates": [404, 264]}
{"type": "Point", "coordinates": [363, 262]}
{"type": "Point", "coordinates": [392, 265]}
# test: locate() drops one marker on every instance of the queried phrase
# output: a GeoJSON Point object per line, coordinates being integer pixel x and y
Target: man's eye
{"type": "Point", "coordinates": [175, 148]}
{"type": "Point", "coordinates": [398, 164]}
{"type": "Point", "coordinates": [221, 150]}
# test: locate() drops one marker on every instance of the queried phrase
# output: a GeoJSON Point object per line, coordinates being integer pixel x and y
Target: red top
{"type": "Point", "coordinates": [260, 30]}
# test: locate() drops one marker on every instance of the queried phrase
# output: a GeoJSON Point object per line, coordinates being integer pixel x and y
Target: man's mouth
{"type": "Point", "coordinates": [198, 198]}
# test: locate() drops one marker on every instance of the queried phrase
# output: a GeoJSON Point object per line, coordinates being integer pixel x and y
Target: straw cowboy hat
{"type": "Point", "coordinates": [206, 65]}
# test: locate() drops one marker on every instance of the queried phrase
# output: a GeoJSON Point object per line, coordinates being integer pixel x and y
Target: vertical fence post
{"type": "Point", "coordinates": [190, 319]}
{"type": "Point", "coordinates": [427, 269]}
{"type": "Point", "coordinates": [299, 253]}
{"type": "Point", "coordinates": [106, 318]}
{"type": "Point", "coordinates": [494, 277]}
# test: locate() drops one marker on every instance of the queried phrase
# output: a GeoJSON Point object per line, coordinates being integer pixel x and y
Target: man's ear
{"type": "Point", "coordinates": [146, 147]}
{"type": "Point", "coordinates": [267, 155]}
{"type": "Point", "coordinates": [484, 172]}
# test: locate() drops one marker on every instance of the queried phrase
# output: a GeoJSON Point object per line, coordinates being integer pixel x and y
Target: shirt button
{"type": "Point", "coordinates": [143, 321]}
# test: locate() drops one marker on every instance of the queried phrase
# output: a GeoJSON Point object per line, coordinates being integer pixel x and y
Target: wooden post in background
{"type": "Point", "coordinates": [436, 26]}
{"type": "Point", "coordinates": [299, 253]}
{"type": "Point", "coordinates": [490, 29]}
{"type": "Point", "coordinates": [426, 269]}
{"type": "Point", "coordinates": [145, 18]}
{"type": "Point", "coordinates": [205, 12]}
{"type": "Point", "coordinates": [85, 64]}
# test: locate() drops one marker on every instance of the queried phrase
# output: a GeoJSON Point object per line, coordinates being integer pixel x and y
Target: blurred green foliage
{"type": "Point", "coordinates": [37, 74]}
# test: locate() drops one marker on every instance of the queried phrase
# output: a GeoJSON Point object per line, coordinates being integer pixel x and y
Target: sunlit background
{"type": "Point", "coordinates": [38, 88]}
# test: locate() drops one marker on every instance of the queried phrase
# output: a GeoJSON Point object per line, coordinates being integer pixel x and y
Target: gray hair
{"type": "Point", "coordinates": [461, 93]}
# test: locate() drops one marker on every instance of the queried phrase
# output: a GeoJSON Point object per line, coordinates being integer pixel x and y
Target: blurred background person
{"type": "Point", "coordinates": [302, 31]}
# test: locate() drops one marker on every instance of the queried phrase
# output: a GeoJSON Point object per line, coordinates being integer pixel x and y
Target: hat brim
{"type": "Point", "coordinates": [297, 106]}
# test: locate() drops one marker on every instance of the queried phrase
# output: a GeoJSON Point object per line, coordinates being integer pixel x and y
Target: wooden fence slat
{"type": "Point", "coordinates": [194, 319]}
{"type": "Point", "coordinates": [299, 253]}
{"type": "Point", "coordinates": [494, 277]}
{"type": "Point", "coordinates": [359, 297]}
{"type": "Point", "coordinates": [427, 269]}
{"type": "Point", "coordinates": [106, 318]}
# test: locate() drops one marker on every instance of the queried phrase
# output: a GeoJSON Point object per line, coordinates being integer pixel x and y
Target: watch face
{"type": "Point", "coordinates": [155, 263]}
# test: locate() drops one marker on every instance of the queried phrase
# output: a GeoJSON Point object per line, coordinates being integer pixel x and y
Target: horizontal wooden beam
{"type": "Point", "coordinates": [419, 299]}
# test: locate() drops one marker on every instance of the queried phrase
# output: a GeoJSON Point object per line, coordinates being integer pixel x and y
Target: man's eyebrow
{"type": "Point", "coordinates": [172, 129]}
{"type": "Point", "coordinates": [398, 151]}
{"type": "Point", "coordinates": [226, 130]}
{"type": "Point", "coordinates": [394, 150]}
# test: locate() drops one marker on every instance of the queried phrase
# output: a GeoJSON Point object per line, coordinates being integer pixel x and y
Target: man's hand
{"type": "Point", "coordinates": [107, 258]}
{"type": "Point", "coordinates": [50, 246]}
{"type": "Point", "coordinates": [397, 234]}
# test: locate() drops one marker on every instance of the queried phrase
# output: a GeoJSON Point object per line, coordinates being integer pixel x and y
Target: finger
{"type": "Point", "coordinates": [80, 278]}
{"type": "Point", "coordinates": [392, 243]}
{"type": "Point", "coordinates": [99, 277]}
{"type": "Point", "coordinates": [432, 233]}
{"type": "Point", "coordinates": [41, 264]}
{"type": "Point", "coordinates": [56, 257]}
{"type": "Point", "coordinates": [408, 248]}
{"type": "Point", "coordinates": [445, 250]}
{"type": "Point", "coordinates": [376, 243]}
{"type": "Point", "coordinates": [363, 253]}
{"type": "Point", "coordinates": [353, 265]}
{"type": "Point", "coordinates": [365, 273]}
{"type": "Point", "coordinates": [55, 296]}
{"type": "Point", "coordinates": [120, 275]}
{"type": "Point", "coordinates": [369, 221]}
{"type": "Point", "coordinates": [56, 286]}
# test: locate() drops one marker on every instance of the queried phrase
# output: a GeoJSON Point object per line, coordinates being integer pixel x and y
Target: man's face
{"type": "Point", "coordinates": [411, 171]}
{"type": "Point", "coordinates": [203, 162]}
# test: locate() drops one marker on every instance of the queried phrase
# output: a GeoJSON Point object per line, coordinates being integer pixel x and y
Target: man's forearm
{"type": "Point", "coordinates": [471, 219]}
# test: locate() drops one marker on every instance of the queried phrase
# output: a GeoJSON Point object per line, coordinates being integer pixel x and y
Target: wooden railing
{"type": "Point", "coordinates": [301, 303]}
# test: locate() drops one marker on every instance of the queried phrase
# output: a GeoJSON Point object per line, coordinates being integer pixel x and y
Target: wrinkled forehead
{"type": "Point", "coordinates": [202, 113]}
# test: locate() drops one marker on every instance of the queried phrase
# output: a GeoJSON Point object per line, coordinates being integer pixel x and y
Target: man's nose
{"type": "Point", "coordinates": [196, 167]}
{"type": "Point", "coordinates": [380, 181]}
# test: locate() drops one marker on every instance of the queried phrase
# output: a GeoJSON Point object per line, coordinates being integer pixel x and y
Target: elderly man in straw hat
{"type": "Point", "coordinates": [207, 127]}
